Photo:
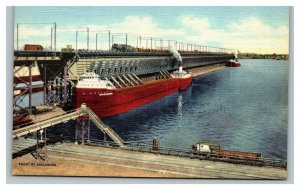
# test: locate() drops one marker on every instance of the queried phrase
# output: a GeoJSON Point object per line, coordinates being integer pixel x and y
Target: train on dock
{"type": "Point", "coordinates": [128, 48]}
{"type": "Point", "coordinates": [213, 151]}
{"type": "Point", "coordinates": [33, 47]}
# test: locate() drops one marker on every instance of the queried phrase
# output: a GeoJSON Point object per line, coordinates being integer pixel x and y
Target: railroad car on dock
{"type": "Point", "coordinates": [211, 150]}
{"type": "Point", "coordinates": [33, 47]}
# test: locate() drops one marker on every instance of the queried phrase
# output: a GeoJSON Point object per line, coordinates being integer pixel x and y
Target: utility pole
{"type": "Point", "coordinates": [17, 36]}
{"type": "Point", "coordinates": [55, 36]}
{"type": "Point", "coordinates": [51, 38]}
{"type": "Point", "coordinates": [88, 36]}
{"type": "Point", "coordinates": [76, 39]}
{"type": "Point", "coordinates": [109, 40]}
{"type": "Point", "coordinates": [96, 40]}
{"type": "Point", "coordinates": [140, 41]}
{"type": "Point", "coordinates": [161, 44]}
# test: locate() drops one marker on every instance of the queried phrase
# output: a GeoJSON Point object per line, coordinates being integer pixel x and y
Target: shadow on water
{"type": "Point", "coordinates": [145, 118]}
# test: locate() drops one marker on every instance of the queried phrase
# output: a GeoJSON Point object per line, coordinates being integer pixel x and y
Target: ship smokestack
{"type": "Point", "coordinates": [178, 58]}
{"type": "Point", "coordinates": [236, 54]}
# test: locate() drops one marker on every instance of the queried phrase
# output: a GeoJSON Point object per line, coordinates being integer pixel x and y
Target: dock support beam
{"type": "Point", "coordinates": [45, 86]}
{"type": "Point", "coordinates": [17, 36]}
{"type": "Point", "coordinates": [109, 46]}
{"type": "Point", "coordinates": [82, 132]}
{"type": "Point", "coordinates": [65, 83]}
{"type": "Point", "coordinates": [30, 90]}
{"type": "Point", "coordinates": [104, 137]}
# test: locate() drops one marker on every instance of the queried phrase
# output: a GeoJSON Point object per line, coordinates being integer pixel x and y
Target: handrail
{"type": "Point", "coordinates": [184, 153]}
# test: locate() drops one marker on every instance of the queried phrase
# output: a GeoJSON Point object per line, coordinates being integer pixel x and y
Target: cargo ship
{"type": "Point", "coordinates": [233, 63]}
{"type": "Point", "coordinates": [105, 99]}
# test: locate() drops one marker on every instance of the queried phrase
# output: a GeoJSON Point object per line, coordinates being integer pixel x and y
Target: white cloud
{"type": "Point", "coordinates": [250, 34]}
{"type": "Point", "coordinates": [247, 35]}
{"type": "Point", "coordinates": [27, 31]}
{"type": "Point", "coordinates": [33, 35]}
{"type": "Point", "coordinates": [144, 26]}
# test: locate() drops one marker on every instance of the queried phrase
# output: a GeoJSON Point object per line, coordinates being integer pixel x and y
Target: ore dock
{"type": "Point", "coordinates": [56, 73]}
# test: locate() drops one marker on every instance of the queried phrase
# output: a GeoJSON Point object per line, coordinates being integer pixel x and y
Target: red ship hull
{"type": "Point", "coordinates": [233, 64]}
{"type": "Point", "coordinates": [107, 103]}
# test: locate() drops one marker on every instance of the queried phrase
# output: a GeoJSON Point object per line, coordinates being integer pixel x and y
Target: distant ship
{"type": "Point", "coordinates": [233, 63]}
{"type": "Point", "coordinates": [105, 99]}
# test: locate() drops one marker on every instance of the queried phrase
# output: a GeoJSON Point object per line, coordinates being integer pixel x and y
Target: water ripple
{"type": "Point", "coordinates": [241, 108]}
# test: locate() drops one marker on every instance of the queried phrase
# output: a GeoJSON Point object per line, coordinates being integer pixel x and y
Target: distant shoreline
{"type": "Point", "coordinates": [263, 56]}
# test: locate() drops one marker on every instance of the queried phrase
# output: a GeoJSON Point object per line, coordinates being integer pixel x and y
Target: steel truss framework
{"type": "Point", "coordinates": [55, 85]}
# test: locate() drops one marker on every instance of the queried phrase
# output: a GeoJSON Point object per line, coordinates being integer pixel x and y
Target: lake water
{"type": "Point", "coordinates": [243, 108]}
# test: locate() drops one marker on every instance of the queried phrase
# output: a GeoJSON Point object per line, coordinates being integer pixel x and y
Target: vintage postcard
{"type": "Point", "coordinates": [155, 92]}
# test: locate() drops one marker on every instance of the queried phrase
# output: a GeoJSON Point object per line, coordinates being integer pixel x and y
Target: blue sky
{"type": "Point", "coordinates": [249, 29]}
